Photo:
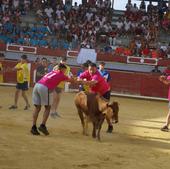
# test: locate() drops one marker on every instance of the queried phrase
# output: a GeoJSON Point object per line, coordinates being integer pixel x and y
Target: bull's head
{"type": "Point", "coordinates": [112, 111]}
{"type": "Point", "coordinates": [109, 109]}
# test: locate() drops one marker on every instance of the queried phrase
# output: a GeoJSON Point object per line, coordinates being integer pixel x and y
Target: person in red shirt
{"type": "Point", "coordinates": [97, 83]}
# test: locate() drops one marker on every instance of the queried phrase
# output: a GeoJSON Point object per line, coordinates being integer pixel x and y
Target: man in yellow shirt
{"type": "Point", "coordinates": [23, 77]}
{"type": "Point", "coordinates": [58, 90]}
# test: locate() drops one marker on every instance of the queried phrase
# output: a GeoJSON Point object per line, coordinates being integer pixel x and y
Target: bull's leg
{"type": "Point", "coordinates": [82, 119]}
{"type": "Point", "coordinates": [86, 125]}
{"type": "Point", "coordinates": [110, 126]}
{"type": "Point", "coordinates": [99, 128]}
{"type": "Point", "coordinates": [94, 130]}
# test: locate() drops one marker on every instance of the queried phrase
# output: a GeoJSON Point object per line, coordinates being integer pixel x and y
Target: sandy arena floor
{"type": "Point", "coordinates": [136, 143]}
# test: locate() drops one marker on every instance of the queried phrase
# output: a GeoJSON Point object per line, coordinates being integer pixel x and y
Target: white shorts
{"type": "Point", "coordinates": [41, 95]}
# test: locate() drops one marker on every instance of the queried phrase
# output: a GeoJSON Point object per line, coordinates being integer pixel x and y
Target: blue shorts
{"type": "Point", "coordinates": [22, 86]}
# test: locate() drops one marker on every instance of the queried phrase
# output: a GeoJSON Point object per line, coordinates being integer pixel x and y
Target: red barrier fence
{"type": "Point", "coordinates": [144, 84]}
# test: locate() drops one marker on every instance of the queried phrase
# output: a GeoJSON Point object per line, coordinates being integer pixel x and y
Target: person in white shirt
{"type": "Point", "coordinates": [15, 3]}
{"type": "Point", "coordinates": [119, 26]}
{"type": "Point", "coordinates": [59, 12]}
{"type": "Point", "coordinates": [128, 5]}
{"type": "Point", "coordinates": [127, 25]}
{"type": "Point", "coordinates": [134, 9]}
{"type": "Point", "coordinates": [89, 15]}
{"type": "Point", "coordinates": [49, 11]}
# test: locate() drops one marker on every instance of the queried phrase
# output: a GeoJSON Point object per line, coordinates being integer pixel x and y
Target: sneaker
{"type": "Point", "coordinates": [43, 129]}
{"type": "Point", "coordinates": [27, 107]}
{"type": "Point", "coordinates": [34, 130]}
{"type": "Point", "coordinates": [13, 107]}
{"type": "Point", "coordinates": [54, 115]}
{"type": "Point", "coordinates": [165, 128]}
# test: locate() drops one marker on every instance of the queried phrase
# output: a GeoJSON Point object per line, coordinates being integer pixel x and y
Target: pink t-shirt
{"type": "Point", "coordinates": [101, 86]}
{"type": "Point", "coordinates": [52, 79]}
{"type": "Point", "coordinates": [168, 78]}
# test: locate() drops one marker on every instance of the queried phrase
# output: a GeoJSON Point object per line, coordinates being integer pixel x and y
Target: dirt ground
{"type": "Point", "coordinates": [136, 143]}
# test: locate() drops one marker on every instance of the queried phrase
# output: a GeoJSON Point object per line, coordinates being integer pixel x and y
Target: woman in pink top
{"type": "Point", "coordinates": [42, 95]}
{"type": "Point", "coordinates": [166, 80]}
{"type": "Point", "coordinates": [96, 82]}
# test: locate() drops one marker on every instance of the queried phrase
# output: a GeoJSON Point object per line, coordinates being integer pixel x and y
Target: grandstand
{"type": "Point", "coordinates": [132, 41]}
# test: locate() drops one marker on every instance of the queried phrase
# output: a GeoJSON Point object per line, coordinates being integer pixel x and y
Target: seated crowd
{"type": "Point", "coordinates": [69, 25]}
{"type": "Point", "coordinates": [87, 25]}
{"type": "Point", "coordinates": [143, 26]}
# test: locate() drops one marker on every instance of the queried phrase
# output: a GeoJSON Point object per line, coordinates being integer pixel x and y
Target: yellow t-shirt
{"type": "Point", "coordinates": [86, 88]}
{"type": "Point", "coordinates": [23, 74]}
{"type": "Point", "coordinates": [1, 73]}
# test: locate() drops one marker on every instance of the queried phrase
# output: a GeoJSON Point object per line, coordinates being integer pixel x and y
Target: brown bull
{"type": "Point", "coordinates": [92, 107]}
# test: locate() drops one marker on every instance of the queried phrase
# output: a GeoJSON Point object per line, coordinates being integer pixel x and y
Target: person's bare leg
{"type": "Point", "coordinates": [34, 130]}
{"type": "Point", "coordinates": [25, 98]}
{"type": "Point", "coordinates": [165, 127]}
{"type": "Point", "coordinates": [56, 100]}
{"type": "Point", "coordinates": [46, 114]}
{"type": "Point", "coordinates": [36, 113]}
{"type": "Point", "coordinates": [168, 119]}
{"type": "Point", "coordinates": [17, 92]}
{"type": "Point", "coordinates": [43, 127]}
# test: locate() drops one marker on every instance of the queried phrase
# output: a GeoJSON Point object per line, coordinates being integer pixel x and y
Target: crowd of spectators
{"type": "Point", "coordinates": [69, 25]}
{"type": "Point", "coordinates": [63, 25]}
{"type": "Point", "coordinates": [11, 29]}
{"type": "Point", "coordinates": [144, 24]}
{"type": "Point", "coordinates": [77, 24]}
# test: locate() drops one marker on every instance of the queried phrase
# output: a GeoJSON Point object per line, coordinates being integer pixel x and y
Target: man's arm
{"type": "Point", "coordinates": [164, 80]}
{"type": "Point", "coordinates": [85, 82]}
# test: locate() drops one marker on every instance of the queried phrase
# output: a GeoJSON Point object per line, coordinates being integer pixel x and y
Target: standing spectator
{"type": "Point", "coordinates": [166, 81]}
{"type": "Point", "coordinates": [143, 6]}
{"type": "Point", "coordinates": [42, 69]}
{"type": "Point", "coordinates": [84, 67]}
{"type": "Point", "coordinates": [52, 64]}
{"type": "Point", "coordinates": [23, 77]}
{"type": "Point", "coordinates": [103, 72]}
{"type": "Point", "coordinates": [58, 90]}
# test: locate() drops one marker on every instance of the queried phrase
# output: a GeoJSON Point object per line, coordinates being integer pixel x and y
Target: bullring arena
{"type": "Point", "coordinates": [136, 141]}
{"type": "Point", "coordinates": [133, 41]}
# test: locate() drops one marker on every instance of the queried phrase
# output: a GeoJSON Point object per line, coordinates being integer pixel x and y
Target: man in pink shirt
{"type": "Point", "coordinates": [97, 83]}
{"type": "Point", "coordinates": [42, 96]}
{"type": "Point", "coordinates": [166, 81]}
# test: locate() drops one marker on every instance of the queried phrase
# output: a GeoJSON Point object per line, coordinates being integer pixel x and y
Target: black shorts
{"type": "Point", "coordinates": [106, 95]}
{"type": "Point", "coordinates": [22, 86]}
